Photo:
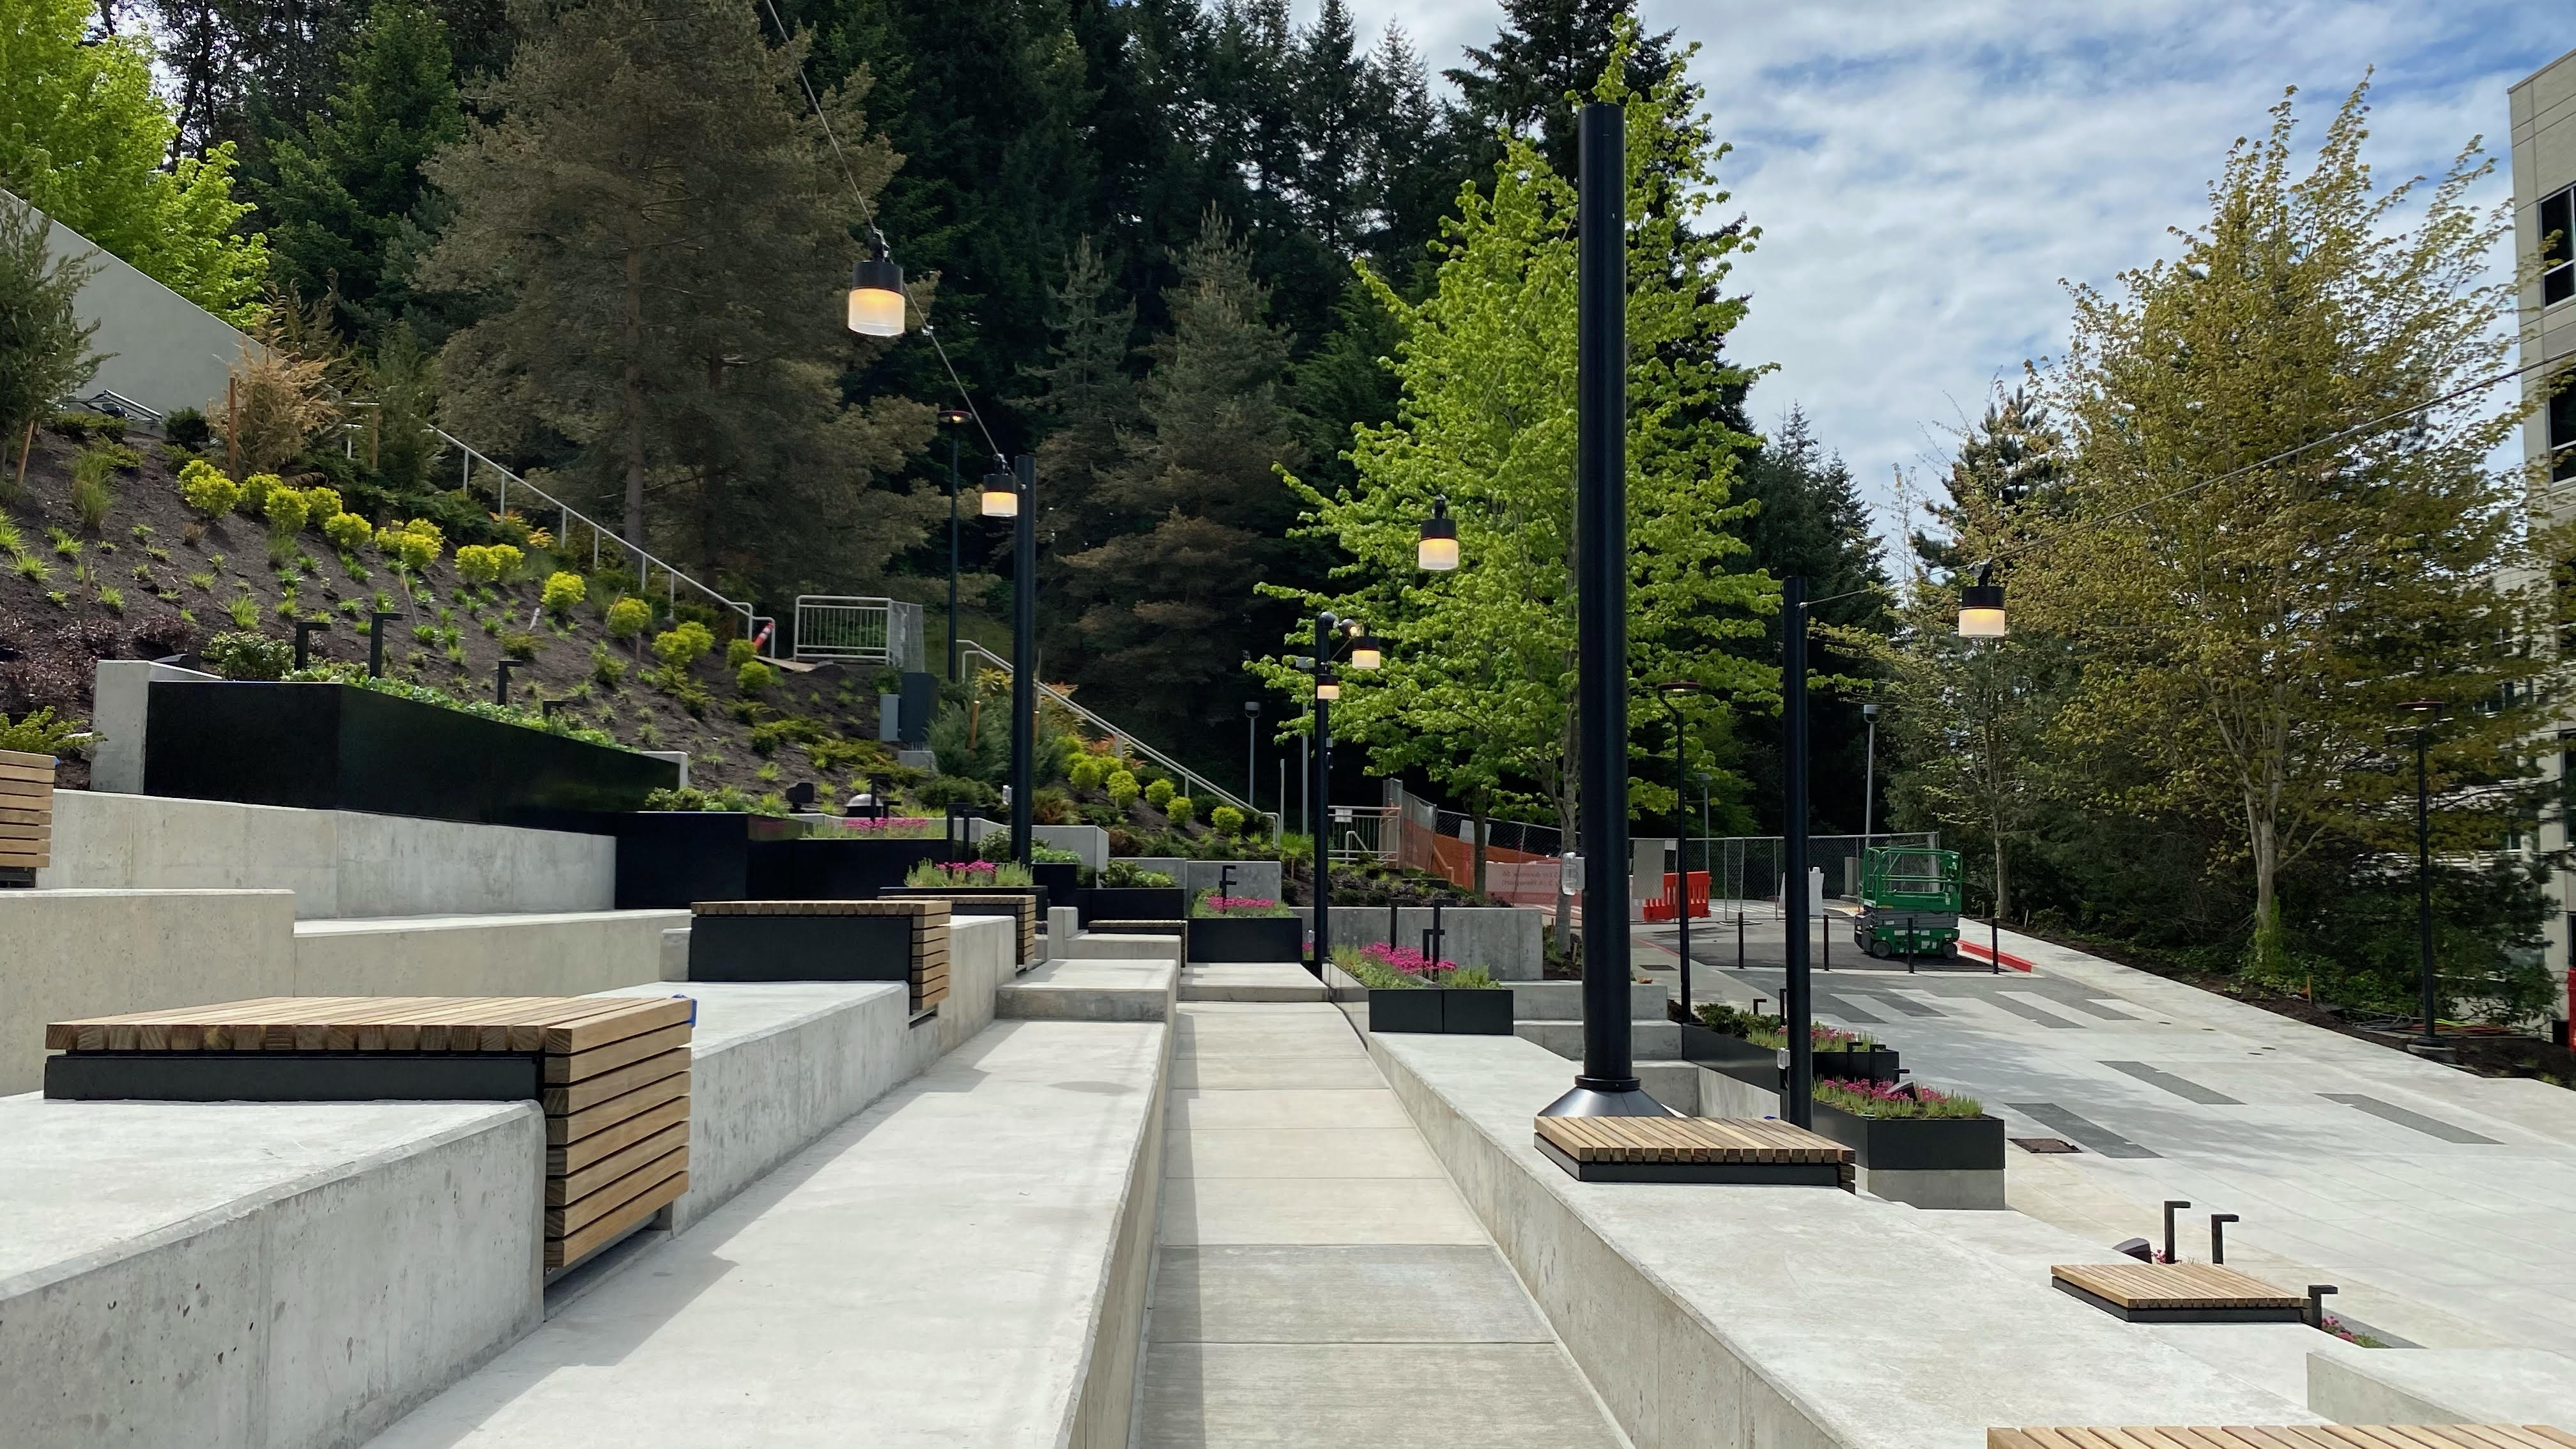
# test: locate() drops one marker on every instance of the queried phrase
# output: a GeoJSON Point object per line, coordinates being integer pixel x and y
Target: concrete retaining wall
{"type": "Point", "coordinates": [236, 1276]}
{"type": "Point", "coordinates": [1700, 1313]}
{"type": "Point", "coordinates": [69, 953]}
{"type": "Point", "coordinates": [161, 349]}
{"type": "Point", "coordinates": [339, 863]}
{"type": "Point", "coordinates": [2442, 1386]}
{"type": "Point", "coordinates": [1249, 878]}
{"type": "Point", "coordinates": [1502, 939]}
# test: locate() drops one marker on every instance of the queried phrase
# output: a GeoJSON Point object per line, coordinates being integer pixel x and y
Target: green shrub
{"type": "Point", "coordinates": [629, 617]}
{"type": "Point", "coordinates": [1180, 808]}
{"type": "Point", "coordinates": [489, 563]}
{"type": "Point", "coordinates": [1119, 873]}
{"type": "Point", "coordinates": [93, 485]}
{"type": "Point", "coordinates": [1226, 820]}
{"type": "Point", "coordinates": [114, 599]}
{"type": "Point", "coordinates": [606, 667]}
{"type": "Point", "coordinates": [1088, 772]}
{"type": "Point", "coordinates": [347, 531]}
{"type": "Point", "coordinates": [285, 509]}
{"type": "Point", "coordinates": [681, 647]}
{"type": "Point", "coordinates": [515, 643]}
{"type": "Point", "coordinates": [562, 591]}
{"type": "Point", "coordinates": [1159, 793]}
{"type": "Point", "coordinates": [205, 489]}
{"type": "Point", "coordinates": [1122, 789]}
{"type": "Point", "coordinates": [254, 494]}
{"type": "Point", "coordinates": [245, 654]}
{"type": "Point", "coordinates": [321, 504]}
{"type": "Point", "coordinates": [39, 733]}
{"type": "Point", "coordinates": [754, 677]}
{"type": "Point", "coordinates": [244, 612]}
{"type": "Point", "coordinates": [740, 652]}
{"type": "Point", "coordinates": [413, 546]}
{"type": "Point", "coordinates": [187, 428]}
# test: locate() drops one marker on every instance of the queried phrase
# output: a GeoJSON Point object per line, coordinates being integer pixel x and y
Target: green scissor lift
{"type": "Point", "coordinates": [1909, 902]}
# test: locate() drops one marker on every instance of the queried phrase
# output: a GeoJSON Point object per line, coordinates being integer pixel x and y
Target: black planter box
{"type": "Point", "coordinates": [672, 859]}
{"type": "Point", "coordinates": [340, 747]}
{"type": "Point", "coordinates": [1916, 1144]}
{"type": "Point", "coordinates": [839, 868]}
{"type": "Point", "coordinates": [1132, 903]}
{"type": "Point", "coordinates": [800, 948]}
{"type": "Point", "coordinates": [1870, 1066]}
{"type": "Point", "coordinates": [1717, 1049]}
{"type": "Point", "coordinates": [291, 1077]}
{"type": "Point", "coordinates": [1448, 1011]}
{"type": "Point", "coordinates": [1247, 938]}
{"type": "Point", "coordinates": [1060, 879]}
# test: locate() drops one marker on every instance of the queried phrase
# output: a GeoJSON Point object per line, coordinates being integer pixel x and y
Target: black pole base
{"type": "Point", "coordinates": [1594, 1098]}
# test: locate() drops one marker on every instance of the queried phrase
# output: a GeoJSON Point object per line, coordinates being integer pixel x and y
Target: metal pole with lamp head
{"type": "Point", "coordinates": [2430, 1042]}
{"type": "Point", "coordinates": [1607, 1086]}
{"type": "Point", "coordinates": [1024, 659]}
{"type": "Point", "coordinates": [1796, 1004]}
{"type": "Point", "coordinates": [1868, 773]}
{"type": "Point", "coordinates": [1668, 693]}
{"type": "Point", "coordinates": [952, 417]}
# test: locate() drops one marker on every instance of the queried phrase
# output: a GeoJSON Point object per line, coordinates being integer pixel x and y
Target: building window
{"type": "Point", "coordinates": [2562, 429]}
{"type": "Point", "coordinates": [2558, 247]}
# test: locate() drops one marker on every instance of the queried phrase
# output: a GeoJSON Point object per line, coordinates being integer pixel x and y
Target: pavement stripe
{"type": "Point", "coordinates": [1907, 1004]}
{"type": "Point", "coordinates": [2429, 1126]}
{"type": "Point", "coordinates": [2092, 1134]}
{"type": "Point", "coordinates": [2179, 1086]}
{"type": "Point", "coordinates": [1843, 1007]}
{"type": "Point", "coordinates": [2092, 1007]}
{"type": "Point", "coordinates": [2024, 1009]}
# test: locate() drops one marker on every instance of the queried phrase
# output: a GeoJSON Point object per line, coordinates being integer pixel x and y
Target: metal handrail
{"type": "Point", "coordinates": [1200, 785]}
{"type": "Point", "coordinates": [644, 558]}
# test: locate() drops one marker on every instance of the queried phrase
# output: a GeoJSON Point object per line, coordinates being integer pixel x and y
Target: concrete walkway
{"type": "Point", "coordinates": [1318, 1280]}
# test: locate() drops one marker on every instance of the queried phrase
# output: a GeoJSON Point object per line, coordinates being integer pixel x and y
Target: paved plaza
{"type": "Point", "coordinates": [2442, 1204]}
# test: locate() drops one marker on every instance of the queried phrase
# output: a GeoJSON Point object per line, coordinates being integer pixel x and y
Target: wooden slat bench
{"type": "Point", "coordinates": [1020, 908]}
{"type": "Point", "coordinates": [26, 816]}
{"type": "Point", "coordinates": [2295, 1436]}
{"type": "Point", "coordinates": [611, 1074]}
{"type": "Point", "coordinates": [2177, 1293]}
{"type": "Point", "coordinates": [1693, 1149]}
{"type": "Point", "coordinates": [902, 940]}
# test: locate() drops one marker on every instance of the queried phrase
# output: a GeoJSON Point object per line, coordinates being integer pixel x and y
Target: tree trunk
{"type": "Point", "coordinates": [632, 397]}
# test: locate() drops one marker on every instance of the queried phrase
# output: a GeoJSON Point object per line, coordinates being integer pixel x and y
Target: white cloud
{"type": "Point", "coordinates": [1924, 175]}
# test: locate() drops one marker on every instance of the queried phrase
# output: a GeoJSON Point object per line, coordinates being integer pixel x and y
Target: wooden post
{"type": "Point", "coordinates": [232, 427]}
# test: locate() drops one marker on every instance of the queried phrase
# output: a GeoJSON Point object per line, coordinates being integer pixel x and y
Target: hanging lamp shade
{"type": "Point", "coordinates": [1981, 607]}
{"type": "Point", "coordinates": [1328, 686]}
{"type": "Point", "coordinates": [1438, 550]}
{"type": "Point", "coordinates": [1001, 493]}
{"type": "Point", "coordinates": [876, 296]}
{"type": "Point", "coordinates": [1368, 652]}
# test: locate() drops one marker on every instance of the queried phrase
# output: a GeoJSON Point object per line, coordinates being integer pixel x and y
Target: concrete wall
{"type": "Point", "coordinates": [71, 953]}
{"type": "Point", "coordinates": [270, 1276]}
{"type": "Point", "coordinates": [163, 350]}
{"type": "Point", "coordinates": [2442, 1386]}
{"type": "Point", "coordinates": [1250, 878]}
{"type": "Point", "coordinates": [339, 863]}
{"type": "Point", "coordinates": [2541, 110]}
{"type": "Point", "coordinates": [1505, 940]}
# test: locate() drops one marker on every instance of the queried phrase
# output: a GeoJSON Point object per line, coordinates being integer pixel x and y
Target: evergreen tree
{"type": "Point", "coordinates": [1548, 50]}
{"type": "Point", "coordinates": [82, 139]}
{"type": "Point", "coordinates": [660, 232]}
{"type": "Point", "coordinates": [1089, 409]}
{"type": "Point", "coordinates": [44, 346]}
{"type": "Point", "coordinates": [1167, 603]}
{"type": "Point", "coordinates": [345, 210]}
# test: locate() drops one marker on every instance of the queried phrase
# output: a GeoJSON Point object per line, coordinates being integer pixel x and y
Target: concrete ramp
{"type": "Point", "coordinates": [1089, 989]}
{"type": "Point", "coordinates": [1263, 981]}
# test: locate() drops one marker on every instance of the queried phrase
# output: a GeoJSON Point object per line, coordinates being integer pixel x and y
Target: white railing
{"type": "Point", "coordinates": [1201, 787]}
{"type": "Point", "coordinates": [601, 537]}
{"type": "Point", "coordinates": [868, 631]}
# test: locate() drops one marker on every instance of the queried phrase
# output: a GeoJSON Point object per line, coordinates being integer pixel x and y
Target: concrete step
{"type": "Point", "coordinates": [1097, 946]}
{"type": "Point", "coordinates": [1090, 989]}
{"type": "Point", "coordinates": [963, 1263]}
{"type": "Point", "coordinates": [1563, 1000]}
{"type": "Point", "coordinates": [1262, 981]}
{"type": "Point", "coordinates": [1646, 1039]}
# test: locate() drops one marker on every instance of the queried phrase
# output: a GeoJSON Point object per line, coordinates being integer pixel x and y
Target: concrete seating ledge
{"type": "Point", "coordinates": [266, 1274]}
{"type": "Point", "coordinates": [1789, 1315]}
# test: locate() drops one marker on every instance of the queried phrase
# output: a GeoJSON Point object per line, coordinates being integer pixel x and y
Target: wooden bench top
{"type": "Point", "coordinates": [1687, 1139]}
{"type": "Point", "coordinates": [928, 906]}
{"type": "Point", "coordinates": [2302, 1436]}
{"type": "Point", "coordinates": [2173, 1285]}
{"type": "Point", "coordinates": [519, 1024]}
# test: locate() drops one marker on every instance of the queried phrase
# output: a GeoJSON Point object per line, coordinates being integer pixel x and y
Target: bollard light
{"type": "Point", "coordinates": [1438, 550]}
{"type": "Point", "coordinates": [876, 296]}
{"type": "Point", "coordinates": [1981, 607]}
{"type": "Point", "coordinates": [1001, 493]}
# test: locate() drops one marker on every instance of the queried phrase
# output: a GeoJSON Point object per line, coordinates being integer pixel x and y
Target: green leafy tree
{"type": "Point", "coordinates": [44, 346]}
{"type": "Point", "coordinates": [2251, 623]}
{"type": "Point", "coordinates": [1480, 688]}
{"type": "Point", "coordinates": [82, 139]}
{"type": "Point", "coordinates": [658, 227]}
{"type": "Point", "coordinates": [347, 206]}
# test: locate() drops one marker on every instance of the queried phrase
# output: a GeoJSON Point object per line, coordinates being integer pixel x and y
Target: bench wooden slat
{"type": "Point", "coordinates": [614, 1138]}
{"type": "Point", "coordinates": [2167, 1286]}
{"type": "Point", "coordinates": [580, 1096]}
{"type": "Point", "coordinates": [574, 1126]}
{"type": "Point", "coordinates": [581, 1066]}
{"type": "Point", "coordinates": [560, 1251]}
{"type": "Point", "coordinates": [569, 1187]}
{"type": "Point", "coordinates": [574, 1216]}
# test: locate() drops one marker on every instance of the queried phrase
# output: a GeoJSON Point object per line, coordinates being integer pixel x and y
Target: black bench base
{"type": "Point", "coordinates": [800, 948]}
{"type": "Point", "coordinates": [289, 1077]}
{"type": "Point", "coordinates": [2183, 1315]}
{"type": "Point", "coordinates": [1772, 1174]}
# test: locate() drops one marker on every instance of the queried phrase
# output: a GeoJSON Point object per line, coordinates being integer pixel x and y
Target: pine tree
{"type": "Point", "coordinates": [1167, 603]}
{"type": "Point", "coordinates": [44, 346]}
{"type": "Point", "coordinates": [659, 229]}
{"type": "Point", "coordinates": [346, 208]}
{"type": "Point", "coordinates": [1548, 50]}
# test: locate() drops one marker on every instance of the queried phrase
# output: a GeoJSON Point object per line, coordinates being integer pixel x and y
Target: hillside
{"type": "Point", "coordinates": [153, 579]}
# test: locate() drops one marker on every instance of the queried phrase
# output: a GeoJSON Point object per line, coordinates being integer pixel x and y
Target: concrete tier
{"type": "Point", "coordinates": [1091, 989]}
{"type": "Point", "coordinates": [1275, 981]}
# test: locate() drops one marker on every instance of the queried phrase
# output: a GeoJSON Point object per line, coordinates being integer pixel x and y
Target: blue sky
{"type": "Point", "coordinates": [1925, 174]}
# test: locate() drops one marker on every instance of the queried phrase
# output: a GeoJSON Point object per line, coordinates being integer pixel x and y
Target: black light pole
{"type": "Point", "coordinates": [1607, 1086]}
{"type": "Point", "coordinates": [304, 632]}
{"type": "Point", "coordinates": [1024, 657]}
{"type": "Point", "coordinates": [952, 417]}
{"type": "Point", "coordinates": [1252, 753]}
{"type": "Point", "coordinates": [2423, 710]}
{"type": "Point", "coordinates": [1669, 693]}
{"type": "Point", "coordinates": [501, 681]}
{"type": "Point", "coordinates": [1795, 1005]}
{"type": "Point", "coordinates": [1319, 787]}
{"type": "Point", "coordinates": [376, 642]}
